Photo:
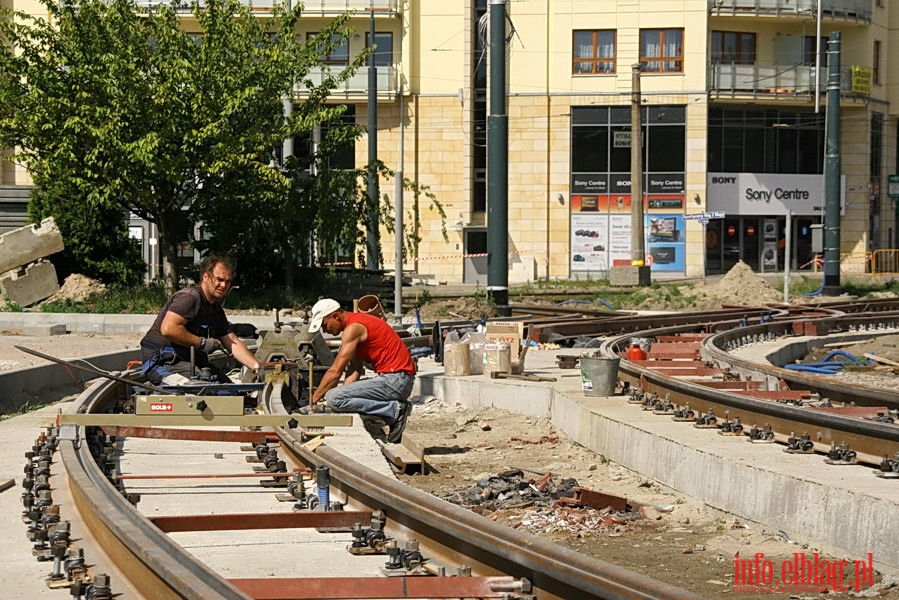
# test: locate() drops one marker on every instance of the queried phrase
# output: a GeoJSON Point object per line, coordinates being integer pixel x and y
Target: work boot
{"type": "Point", "coordinates": [396, 430]}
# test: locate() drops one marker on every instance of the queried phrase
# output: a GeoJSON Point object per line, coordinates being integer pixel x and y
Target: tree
{"type": "Point", "coordinates": [112, 108]}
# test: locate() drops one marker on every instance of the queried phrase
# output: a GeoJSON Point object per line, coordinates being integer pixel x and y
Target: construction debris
{"type": "Point", "coordinates": [540, 506]}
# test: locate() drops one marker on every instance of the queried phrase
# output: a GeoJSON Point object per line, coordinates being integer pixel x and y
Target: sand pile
{"type": "Point", "coordinates": [78, 288]}
{"type": "Point", "coordinates": [741, 285]}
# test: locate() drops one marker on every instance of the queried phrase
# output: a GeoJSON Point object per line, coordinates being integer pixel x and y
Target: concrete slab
{"type": "Point", "coordinates": [630, 276]}
{"type": "Point", "coordinates": [45, 330]}
{"type": "Point", "coordinates": [28, 244]}
{"type": "Point", "coordinates": [30, 284]}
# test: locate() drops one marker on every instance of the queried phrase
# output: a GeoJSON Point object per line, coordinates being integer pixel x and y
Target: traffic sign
{"type": "Point", "coordinates": [715, 214]}
{"type": "Point", "coordinates": [893, 186]}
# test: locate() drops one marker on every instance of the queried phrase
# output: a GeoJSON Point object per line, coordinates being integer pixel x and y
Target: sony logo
{"type": "Point", "coordinates": [724, 180]}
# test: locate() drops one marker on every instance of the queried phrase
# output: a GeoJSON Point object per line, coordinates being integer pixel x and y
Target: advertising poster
{"type": "Point", "coordinates": [665, 244]}
{"type": "Point", "coordinates": [589, 241]}
{"type": "Point", "coordinates": [601, 233]}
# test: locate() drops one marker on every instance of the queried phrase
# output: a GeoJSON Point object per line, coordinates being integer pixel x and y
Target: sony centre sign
{"type": "Point", "coordinates": [768, 194]}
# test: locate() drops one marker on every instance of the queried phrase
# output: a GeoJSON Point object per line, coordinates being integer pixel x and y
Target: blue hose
{"type": "Point", "coordinates": [608, 305]}
{"type": "Point", "coordinates": [842, 353]}
{"type": "Point", "coordinates": [813, 369]}
{"type": "Point", "coordinates": [815, 293]}
{"type": "Point", "coordinates": [826, 366]}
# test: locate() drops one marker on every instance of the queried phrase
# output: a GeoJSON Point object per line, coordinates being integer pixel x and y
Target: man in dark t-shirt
{"type": "Point", "coordinates": [193, 320]}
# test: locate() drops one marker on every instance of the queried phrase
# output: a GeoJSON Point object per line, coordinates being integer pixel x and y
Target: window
{"type": "Point", "coordinates": [341, 149]}
{"type": "Point", "coordinates": [601, 140]}
{"type": "Point", "coordinates": [875, 63]}
{"type": "Point", "coordinates": [733, 47]}
{"type": "Point", "coordinates": [765, 141]}
{"type": "Point", "coordinates": [383, 56]}
{"type": "Point", "coordinates": [876, 149]}
{"type": "Point", "coordinates": [340, 53]}
{"type": "Point", "coordinates": [593, 52]}
{"type": "Point", "coordinates": [810, 52]}
{"type": "Point", "coordinates": [662, 50]}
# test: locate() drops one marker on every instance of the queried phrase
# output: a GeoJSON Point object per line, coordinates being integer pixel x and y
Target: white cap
{"type": "Point", "coordinates": [322, 309]}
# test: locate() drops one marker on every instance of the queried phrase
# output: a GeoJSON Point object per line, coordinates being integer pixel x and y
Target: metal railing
{"type": "Point", "coordinates": [885, 261]}
{"type": "Point", "coordinates": [772, 80]}
{"type": "Point", "coordinates": [358, 83]}
{"type": "Point", "coordinates": [856, 10]}
{"type": "Point", "coordinates": [342, 6]}
{"type": "Point", "coordinates": [312, 7]}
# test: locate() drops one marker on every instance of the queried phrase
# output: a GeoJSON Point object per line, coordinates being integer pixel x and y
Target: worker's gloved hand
{"type": "Point", "coordinates": [209, 345]}
{"type": "Point", "coordinates": [175, 379]}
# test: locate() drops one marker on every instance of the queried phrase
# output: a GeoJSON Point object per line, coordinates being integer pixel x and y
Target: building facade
{"type": "Point", "coordinates": [733, 128]}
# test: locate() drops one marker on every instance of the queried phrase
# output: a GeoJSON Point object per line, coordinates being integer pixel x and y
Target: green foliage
{"type": "Point", "coordinates": [22, 410]}
{"type": "Point", "coordinates": [114, 109]}
{"type": "Point", "coordinates": [7, 305]}
{"type": "Point", "coordinates": [138, 299]}
{"type": "Point", "coordinates": [424, 298]}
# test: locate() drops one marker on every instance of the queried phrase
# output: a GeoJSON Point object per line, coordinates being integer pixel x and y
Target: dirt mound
{"type": "Point", "coordinates": [742, 285]}
{"type": "Point", "coordinates": [455, 309]}
{"type": "Point", "coordinates": [78, 288]}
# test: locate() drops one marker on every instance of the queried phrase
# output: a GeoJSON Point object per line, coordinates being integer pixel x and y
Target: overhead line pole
{"type": "Point", "coordinates": [372, 260]}
{"type": "Point", "coordinates": [638, 241]}
{"type": "Point", "coordinates": [498, 166]}
{"type": "Point", "coordinates": [832, 167]}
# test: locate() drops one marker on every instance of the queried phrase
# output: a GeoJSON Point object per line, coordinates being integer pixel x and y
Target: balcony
{"type": "Point", "coordinates": [336, 7]}
{"type": "Point", "coordinates": [768, 81]}
{"type": "Point", "coordinates": [357, 85]}
{"type": "Point", "coordinates": [311, 7]}
{"type": "Point", "coordinates": [847, 10]}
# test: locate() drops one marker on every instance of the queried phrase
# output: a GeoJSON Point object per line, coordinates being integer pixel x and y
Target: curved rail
{"type": "Point", "coordinates": [454, 536]}
{"type": "Point", "coordinates": [153, 562]}
{"type": "Point", "coordinates": [870, 439]}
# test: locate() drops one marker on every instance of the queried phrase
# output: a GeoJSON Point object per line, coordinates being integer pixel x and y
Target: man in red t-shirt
{"type": "Point", "coordinates": [365, 339]}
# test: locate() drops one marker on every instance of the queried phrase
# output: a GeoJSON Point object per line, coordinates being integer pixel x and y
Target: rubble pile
{"type": "Point", "coordinates": [533, 505]}
{"type": "Point", "coordinates": [510, 489]}
{"type": "Point", "coordinates": [575, 522]}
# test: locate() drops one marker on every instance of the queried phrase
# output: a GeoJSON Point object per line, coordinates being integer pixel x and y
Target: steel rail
{"type": "Point", "coordinates": [149, 559]}
{"type": "Point", "coordinates": [870, 439]}
{"type": "Point", "coordinates": [453, 534]}
{"type": "Point", "coordinates": [152, 562]}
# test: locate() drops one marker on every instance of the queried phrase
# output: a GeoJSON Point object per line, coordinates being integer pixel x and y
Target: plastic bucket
{"type": "Point", "coordinates": [599, 375]}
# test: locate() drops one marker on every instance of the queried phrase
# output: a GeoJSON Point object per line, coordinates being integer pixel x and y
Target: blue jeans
{"type": "Point", "coordinates": [377, 396]}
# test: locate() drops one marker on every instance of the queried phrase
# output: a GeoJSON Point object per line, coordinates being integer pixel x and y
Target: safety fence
{"type": "Point", "coordinates": [885, 262]}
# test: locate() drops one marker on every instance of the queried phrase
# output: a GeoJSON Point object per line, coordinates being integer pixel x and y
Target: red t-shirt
{"type": "Point", "coordinates": [383, 350]}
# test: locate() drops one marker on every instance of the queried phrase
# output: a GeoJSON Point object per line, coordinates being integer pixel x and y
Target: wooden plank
{"type": "Point", "coordinates": [842, 344]}
{"type": "Point", "coordinates": [880, 359]}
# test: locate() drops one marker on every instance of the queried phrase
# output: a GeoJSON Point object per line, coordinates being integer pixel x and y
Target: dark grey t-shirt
{"type": "Point", "coordinates": [204, 318]}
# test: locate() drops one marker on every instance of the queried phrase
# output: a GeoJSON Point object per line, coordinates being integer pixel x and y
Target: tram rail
{"type": "Point", "coordinates": [500, 562]}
